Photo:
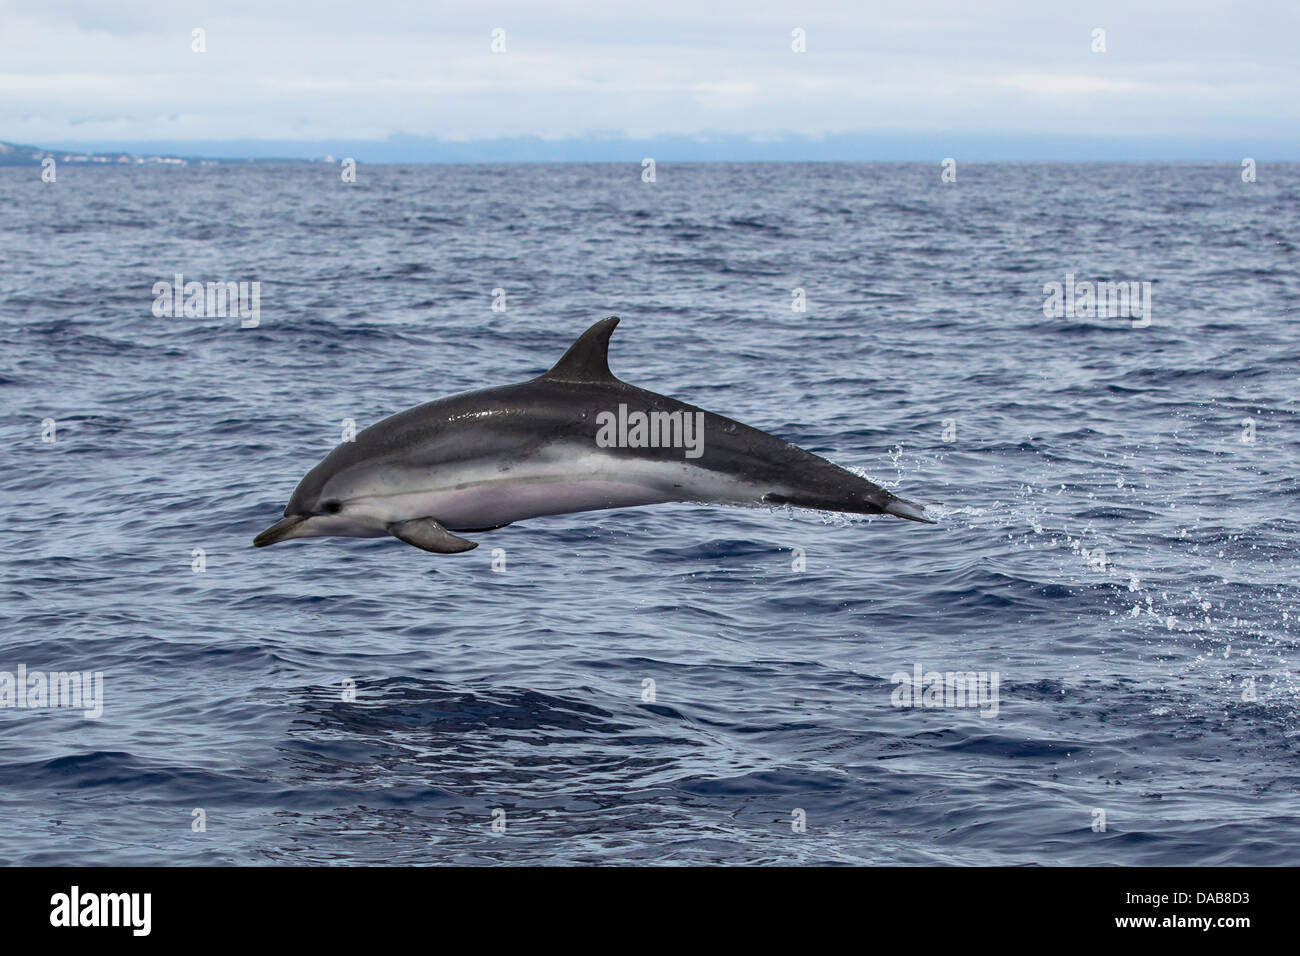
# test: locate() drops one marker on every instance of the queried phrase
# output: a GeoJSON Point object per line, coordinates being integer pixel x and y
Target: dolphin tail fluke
{"type": "Point", "coordinates": [908, 510]}
{"type": "Point", "coordinates": [428, 535]}
{"type": "Point", "coordinates": [875, 501]}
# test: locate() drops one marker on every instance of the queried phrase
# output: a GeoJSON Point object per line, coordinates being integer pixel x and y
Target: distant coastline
{"type": "Point", "coordinates": [21, 154]}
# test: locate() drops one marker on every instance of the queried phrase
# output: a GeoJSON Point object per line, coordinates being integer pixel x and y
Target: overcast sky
{"type": "Point", "coordinates": [315, 70]}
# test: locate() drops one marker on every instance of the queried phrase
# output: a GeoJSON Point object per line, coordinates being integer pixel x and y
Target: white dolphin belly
{"type": "Point", "coordinates": [482, 495]}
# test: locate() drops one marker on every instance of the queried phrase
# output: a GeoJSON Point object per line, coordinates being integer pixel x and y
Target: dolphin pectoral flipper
{"type": "Point", "coordinates": [428, 535]}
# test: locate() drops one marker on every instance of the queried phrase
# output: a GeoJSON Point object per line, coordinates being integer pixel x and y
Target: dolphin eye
{"type": "Point", "coordinates": [332, 507]}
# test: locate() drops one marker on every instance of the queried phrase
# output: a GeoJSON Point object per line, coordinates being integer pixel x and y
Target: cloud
{"type": "Point", "coordinates": [312, 71]}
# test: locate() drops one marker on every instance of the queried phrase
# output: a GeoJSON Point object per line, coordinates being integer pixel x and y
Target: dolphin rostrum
{"type": "Point", "coordinates": [574, 439]}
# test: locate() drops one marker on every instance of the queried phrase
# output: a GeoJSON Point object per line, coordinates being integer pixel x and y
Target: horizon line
{"type": "Point", "coordinates": [884, 146]}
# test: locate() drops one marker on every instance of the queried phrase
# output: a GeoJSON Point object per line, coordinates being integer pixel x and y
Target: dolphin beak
{"type": "Point", "coordinates": [279, 531]}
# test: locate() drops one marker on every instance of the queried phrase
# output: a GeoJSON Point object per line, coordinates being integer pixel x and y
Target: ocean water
{"type": "Point", "coordinates": [1117, 544]}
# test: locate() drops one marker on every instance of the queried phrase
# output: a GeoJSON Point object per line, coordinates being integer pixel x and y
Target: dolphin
{"type": "Point", "coordinates": [575, 439]}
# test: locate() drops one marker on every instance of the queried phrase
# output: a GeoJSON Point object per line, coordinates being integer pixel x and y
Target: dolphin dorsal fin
{"type": "Point", "coordinates": [588, 358]}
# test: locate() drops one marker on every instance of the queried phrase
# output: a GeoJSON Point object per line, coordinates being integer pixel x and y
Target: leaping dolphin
{"type": "Point", "coordinates": [574, 439]}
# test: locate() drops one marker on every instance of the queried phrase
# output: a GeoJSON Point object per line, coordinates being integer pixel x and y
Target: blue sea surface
{"type": "Point", "coordinates": [670, 684]}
